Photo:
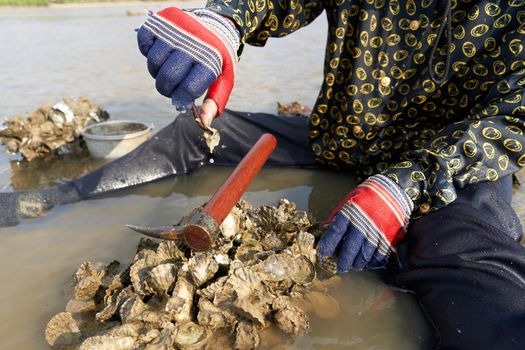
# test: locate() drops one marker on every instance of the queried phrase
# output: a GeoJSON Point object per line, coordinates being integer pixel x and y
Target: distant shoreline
{"type": "Point", "coordinates": [78, 3]}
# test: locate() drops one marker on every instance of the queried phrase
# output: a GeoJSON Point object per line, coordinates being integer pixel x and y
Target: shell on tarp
{"type": "Point", "coordinates": [62, 330]}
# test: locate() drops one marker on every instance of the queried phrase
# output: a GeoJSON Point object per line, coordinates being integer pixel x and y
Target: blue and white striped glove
{"type": "Point", "coordinates": [367, 225]}
{"type": "Point", "coordinates": [190, 52]}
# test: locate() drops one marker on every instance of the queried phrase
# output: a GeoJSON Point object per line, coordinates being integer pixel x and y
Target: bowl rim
{"type": "Point", "coordinates": [132, 135]}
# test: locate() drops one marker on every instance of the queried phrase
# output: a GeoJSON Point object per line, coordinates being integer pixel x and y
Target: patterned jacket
{"type": "Point", "coordinates": [428, 92]}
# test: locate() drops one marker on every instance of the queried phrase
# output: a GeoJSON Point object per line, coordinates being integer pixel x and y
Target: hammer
{"type": "Point", "coordinates": [203, 227]}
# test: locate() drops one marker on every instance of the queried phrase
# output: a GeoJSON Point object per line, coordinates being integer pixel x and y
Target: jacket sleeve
{"type": "Point", "coordinates": [257, 20]}
{"type": "Point", "coordinates": [486, 146]}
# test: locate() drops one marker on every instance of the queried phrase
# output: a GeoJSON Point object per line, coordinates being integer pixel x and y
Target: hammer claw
{"type": "Point", "coordinates": [163, 232]}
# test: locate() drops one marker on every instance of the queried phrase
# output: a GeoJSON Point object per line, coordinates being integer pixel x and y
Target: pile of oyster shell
{"type": "Point", "coordinates": [259, 279]}
{"type": "Point", "coordinates": [294, 109]}
{"type": "Point", "coordinates": [51, 129]}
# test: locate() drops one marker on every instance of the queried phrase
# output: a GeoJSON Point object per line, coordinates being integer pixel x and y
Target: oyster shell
{"type": "Point", "coordinates": [88, 281]}
{"type": "Point", "coordinates": [230, 225]}
{"type": "Point", "coordinates": [181, 301]}
{"type": "Point", "coordinates": [133, 330]}
{"type": "Point", "coordinates": [162, 341]}
{"type": "Point", "coordinates": [283, 266]}
{"type": "Point", "coordinates": [114, 303]}
{"type": "Point", "coordinates": [201, 267]}
{"type": "Point", "coordinates": [246, 336]}
{"type": "Point", "coordinates": [170, 251]}
{"type": "Point", "coordinates": [79, 306]}
{"type": "Point", "coordinates": [51, 129]}
{"type": "Point", "coordinates": [62, 330]}
{"type": "Point", "coordinates": [212, 316]}
{"type": "Point", "coordinates": [108, 342]}
{"type": "Point", "coordinates": [258, 274]}
{"type": "Point", "coordinates": [212, 138]}
{"type": "Point", "coordinates": [189, 335]}
{"type": "Point", "coordinates": [162, 277]}
{"type": "Point", "coordinates": [140, 272]}
{"type": "Point", "coordinates": [131, 309]}
{"type": "Point", "coordinates": [291, 319]}
{"type": "Point", "coordinates": [304, 244]}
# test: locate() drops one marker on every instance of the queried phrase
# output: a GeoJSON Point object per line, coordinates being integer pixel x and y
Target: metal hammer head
{"type": "Point", "coordinates": [199, 233]}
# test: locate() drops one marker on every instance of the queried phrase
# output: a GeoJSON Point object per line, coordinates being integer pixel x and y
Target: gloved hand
{"type": "Point", "coordinates": [367, 225]}
{"type": "Point", "coordinates": [188, 53]}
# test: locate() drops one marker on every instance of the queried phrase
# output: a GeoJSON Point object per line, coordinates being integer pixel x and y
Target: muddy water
{"type": "Point", "coordinates": [49, 53]}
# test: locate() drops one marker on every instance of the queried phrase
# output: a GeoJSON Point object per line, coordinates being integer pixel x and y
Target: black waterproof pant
{"type": "Point", "coordinates": [464, 262]}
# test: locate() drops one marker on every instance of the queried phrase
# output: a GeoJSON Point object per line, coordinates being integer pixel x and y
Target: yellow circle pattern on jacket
{"type": "Point", "coordinates": [379, 111]}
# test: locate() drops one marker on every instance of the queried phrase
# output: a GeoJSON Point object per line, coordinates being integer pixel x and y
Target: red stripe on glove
{"type": "Point", "coordinates": [221, 89]}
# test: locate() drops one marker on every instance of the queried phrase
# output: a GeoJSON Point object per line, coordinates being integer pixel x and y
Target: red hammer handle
{"type": "Point", "coordinates": [236, 184]}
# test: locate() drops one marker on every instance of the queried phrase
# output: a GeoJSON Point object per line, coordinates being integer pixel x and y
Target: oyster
{"type": "Point", "coordinates": [78, 306]}
{"type": "Point", "coordinates": [189, 335]}
{"type": "Point", "coordinates": [163, 340]}
{"type": "Point", "coordinates": [293, 109]}
{"type": "Point", "coordinates": [162, 277]}
{"type": "Point", "coordinates": [304, 244]}
{"type": "Point", "coordinates": [246, 336]}
{"type": "Point", "coordinates": [108, 342]}
{"type": "Point", "coordinates": [51, 129]}
{"type": "Point", "coordinates": [212, 138]}
{"type": "Point", "coordinates": [291, 319]}
{"type": "Point", "coordinates": [88, 281]}
{"type": "Point", "coordinates": [202, 267]}
{"type": "Point", "coordinates": [282, 266]}
{"type": "Point", "coordinates": [181, 301]}
{"type": "Point", "coordinates": [62, 330]}
{"type": "Point", "coordinates": [114, 302]}
{"type": "Point", "coordinates": [131, 309]}
{"type": "Point", "coordinates": [230, 225]}
{"type": "Point", "coordinates": [212, 316]}
{"type": "Point", "coordinates": [133, 330]}
{"type": "Point", "coordinates": [169, 251]}
{"type": "Point", "coordinates": [259, 275]}
{"type": "Point", "coordinates": [140, 272]}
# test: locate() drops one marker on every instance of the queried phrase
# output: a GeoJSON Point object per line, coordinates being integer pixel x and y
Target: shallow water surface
{"type": "Point", "coordinates": [70, 51]}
